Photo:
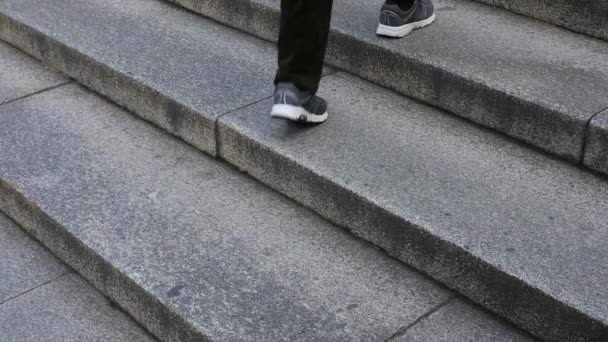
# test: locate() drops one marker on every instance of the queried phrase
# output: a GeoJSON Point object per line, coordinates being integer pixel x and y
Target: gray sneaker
{"type": "Point", "coordinates": [395, 22]}
{"type": "Point", "coordinates": [293, 104]}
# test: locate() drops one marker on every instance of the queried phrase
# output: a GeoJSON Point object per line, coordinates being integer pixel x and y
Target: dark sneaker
{"type": "Point", "coordinates": [395, 22]}
{"type": "Point", "coordinates": [293, 104]}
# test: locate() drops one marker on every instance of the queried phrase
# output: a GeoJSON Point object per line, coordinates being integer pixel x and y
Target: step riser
{"type": "Point", "coordinates": [149, 104]}
{"type": "Point", "coordinates": [541, 127]}
{"type": "Point", "coordinates": [117, 286]}
{"type": "Point", "coordinates": [587, 17]}
{"type": "Point", "coordinates": [412, 243]}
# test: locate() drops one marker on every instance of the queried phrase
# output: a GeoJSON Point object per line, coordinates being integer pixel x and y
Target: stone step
{"type": "Point", "coordinates": [195, 250]}
{"type": "Point", "coordinates": [587, 16]}
{"type": "Point", "coordinates": [530, 80]}
{"type": "Point", "coordinates": [456, 201]}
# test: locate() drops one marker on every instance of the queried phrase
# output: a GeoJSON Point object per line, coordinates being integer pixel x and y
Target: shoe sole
{"type": "Point", "coordinates": [295, 113]}
{"type": "Point", "coordinates": [402, 31]}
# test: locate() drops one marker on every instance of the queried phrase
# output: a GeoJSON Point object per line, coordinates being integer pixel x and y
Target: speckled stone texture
{"type": "Point", "coordinates": [190, 247]}
{"type": "Point", "coordinates": [21, 75]}
{"type": "Point", "coordinates": [517, 231]}
{"type": "Point", "coordinates": [585, 16]}
{"type": "Point", "coordinates": [42, 300]}
{"type": "Point", "coordinates": [527, 79]}
{"type": "Point", "coordinates": [67, 310]}
{"type": "Point", "coordinates": [476, 211]}
{"type": "Point", "coordinates": [165, 64]}
{"type": "Point", "coordinates": [24, 264]}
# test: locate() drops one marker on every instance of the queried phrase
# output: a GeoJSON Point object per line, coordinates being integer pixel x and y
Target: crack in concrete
{"type": "Point", "coordinates": [218, 140]}
{"type": "Point", "coordinates": [401, 332]}
{"type": "Point", "coordinates": [36, 93]}
{"type": "Point", "coordinates": [36, 287]}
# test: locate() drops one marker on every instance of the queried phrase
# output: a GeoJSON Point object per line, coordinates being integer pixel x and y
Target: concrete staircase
{"type": "Point", "coordinates": [196, 251]}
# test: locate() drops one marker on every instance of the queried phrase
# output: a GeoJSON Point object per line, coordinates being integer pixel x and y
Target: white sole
{"type": "Point", "coordinates": [402, 31]}
{"type": "Point", "coordinates": [295, 113]}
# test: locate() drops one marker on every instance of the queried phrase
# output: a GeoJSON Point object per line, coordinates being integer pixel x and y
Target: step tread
{"type": "Point", "coordinates": [21, 75]}
{"type": "Point", "coordinates": [236, 260]}
{"type": "Point", "coordinates": [587, 17]}
{"type": "Point", "coordinates": [24, 264]}
{"type": "Point", "coordinates": [534, 218]}
{"type": "Point", "coordinates": [67, 310]}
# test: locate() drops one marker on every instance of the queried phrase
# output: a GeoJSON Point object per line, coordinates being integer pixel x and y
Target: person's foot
{"type": "Point", "coordinates": [293, 104]}
{"type": "Point", "coordinates": [397, 22]}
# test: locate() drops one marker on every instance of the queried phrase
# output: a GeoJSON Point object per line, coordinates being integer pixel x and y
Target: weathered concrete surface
{"type": "Point", "coordinates": [21, 75]}
{"type": "Point", "coordinates": [167, 65]}
{"type": "Point", "coordinates": [190, 247]}
{"type": "Point", "coordinates": [596, 151]}
{"type": "Point", "coordinates": [527, 79]}
{"type": "Point", "coordinates": [462, 322]}
{"type": "Point", "coordinates": [24, 264]}
{"type": "Point", "coordinates": [517, 231]}
{"type": "Point", "coordinates": [67, 310]}
{"type": "Point", "coordinates": [585, 16]}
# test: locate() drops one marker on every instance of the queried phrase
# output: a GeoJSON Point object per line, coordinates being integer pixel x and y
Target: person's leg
{"type": "Point", "coordinates": [303, 37]}
{"type": "Point", "coordinates": [302, 43]}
